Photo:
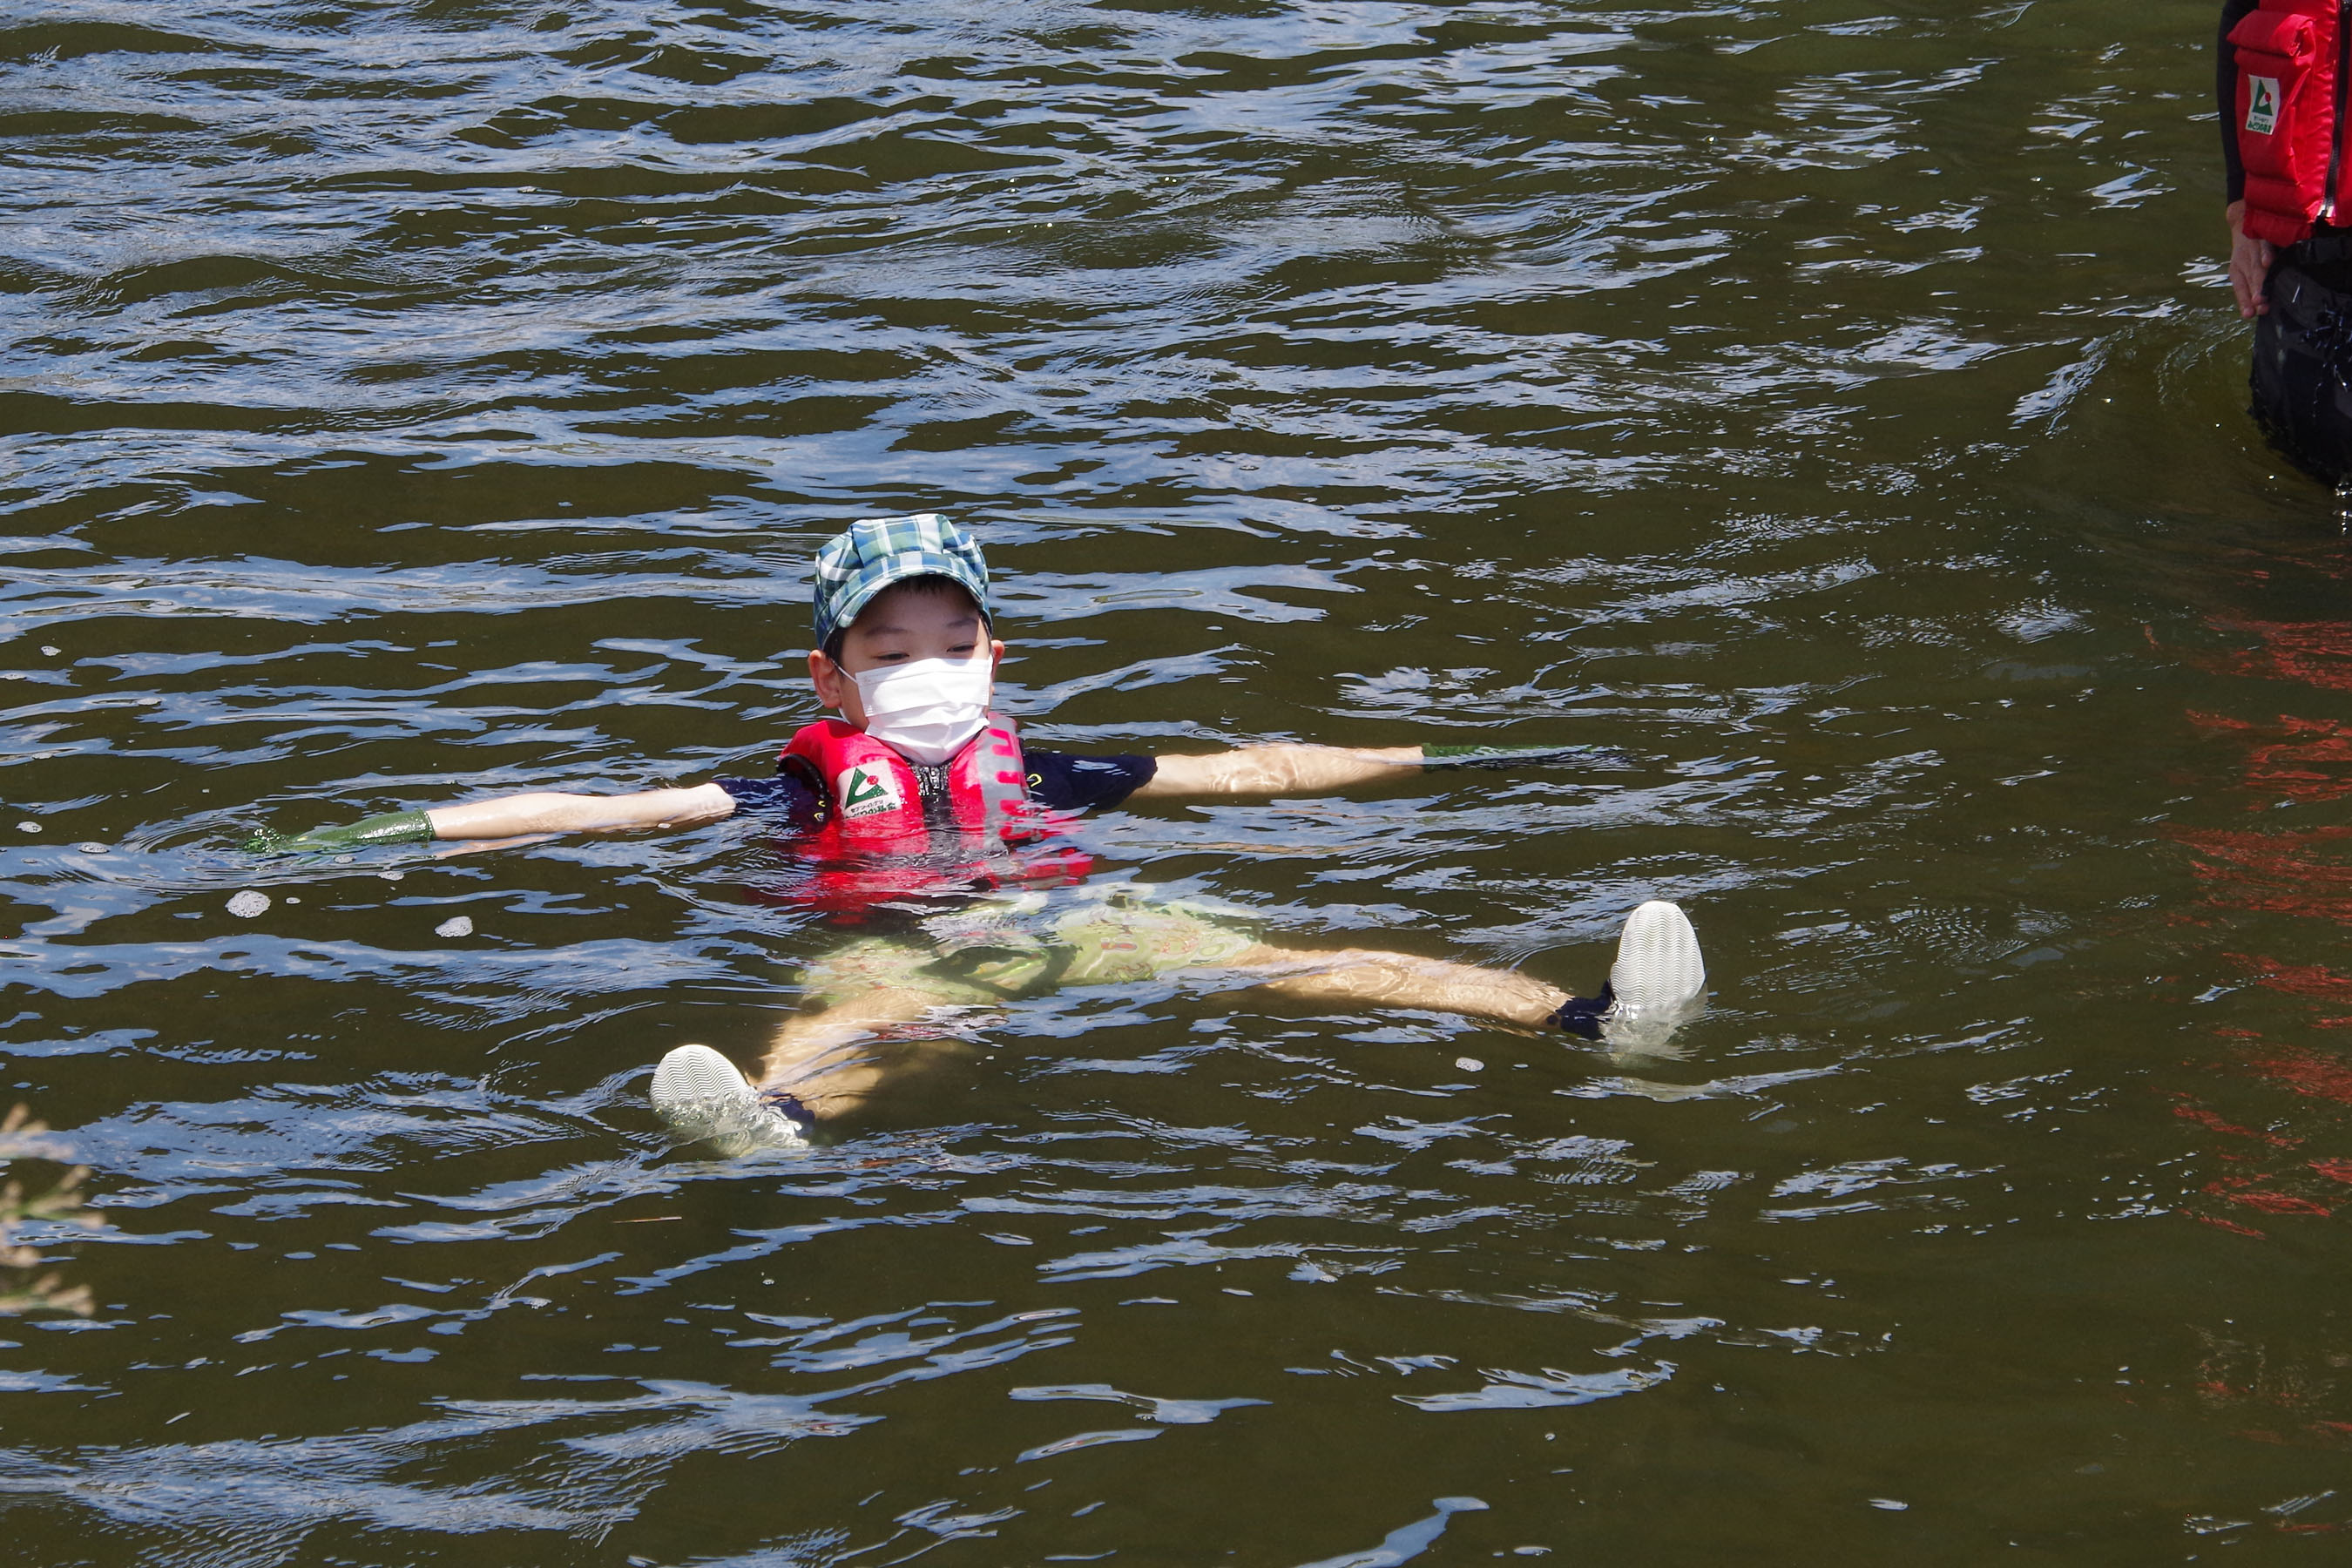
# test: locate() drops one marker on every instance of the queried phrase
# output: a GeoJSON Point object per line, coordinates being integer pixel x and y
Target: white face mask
{"type": "Point", "coordinates": [926, 711]}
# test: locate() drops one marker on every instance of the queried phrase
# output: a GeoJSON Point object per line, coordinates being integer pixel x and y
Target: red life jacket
{"type": "Point", "coordinates": [878, 843]}
{"type": "Point", "coordinates": [2292, 76]}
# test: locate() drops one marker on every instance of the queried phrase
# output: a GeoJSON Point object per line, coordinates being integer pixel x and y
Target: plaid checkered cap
{"type": "Point", "coordinates": [876, 551]}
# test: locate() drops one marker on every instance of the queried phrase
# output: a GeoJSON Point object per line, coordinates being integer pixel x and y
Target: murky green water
{"type": "Point", "coordinates": [1835, 411]}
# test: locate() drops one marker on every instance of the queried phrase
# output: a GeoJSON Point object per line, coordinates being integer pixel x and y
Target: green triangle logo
{"type": "Point", "coordinates": [866, 790]}
{"type": "Point", "coordinates": [2262, 105]}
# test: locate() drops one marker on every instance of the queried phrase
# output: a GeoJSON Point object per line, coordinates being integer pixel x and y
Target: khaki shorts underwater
{"type": "Point", "coordinates": [1032, 944]}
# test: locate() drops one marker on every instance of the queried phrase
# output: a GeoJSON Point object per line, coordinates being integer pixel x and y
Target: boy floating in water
{"type": "Point", "coordinates": [919, 801]}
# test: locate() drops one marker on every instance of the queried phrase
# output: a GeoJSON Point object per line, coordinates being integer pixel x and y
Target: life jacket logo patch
{"type": "Point", "coordinates": [2261, 104]}
{"type": "Point", "coordinates": [866, 792]}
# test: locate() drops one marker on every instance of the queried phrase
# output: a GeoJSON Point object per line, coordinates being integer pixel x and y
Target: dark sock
{"type": "Point", "coordinates": [790, 1104]}
{"type": "Point", "coordinates": [1581, 1015]}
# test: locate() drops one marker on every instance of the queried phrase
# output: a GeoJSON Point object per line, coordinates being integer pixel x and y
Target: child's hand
{"type": "Point", "coordinates": [398, 827]}
{"type": "Point", "coordinates": [1506, 756]}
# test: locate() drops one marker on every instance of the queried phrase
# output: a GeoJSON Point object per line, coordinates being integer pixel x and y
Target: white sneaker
{"type": "Point", "coordinates": [706, 1100]}
{"type": "Point", "coordinates": [1659, 979]}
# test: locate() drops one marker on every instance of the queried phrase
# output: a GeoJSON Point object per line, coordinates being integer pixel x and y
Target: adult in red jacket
{"type": "Point", "coordinates": [2281, 87]}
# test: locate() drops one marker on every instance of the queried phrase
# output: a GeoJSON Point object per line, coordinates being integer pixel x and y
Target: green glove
{"type": "Point", "coordinates": [398, 827]}
{"type": "Point", "coordinates": [1504, 756]}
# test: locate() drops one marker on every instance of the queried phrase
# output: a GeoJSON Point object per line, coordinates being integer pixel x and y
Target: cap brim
{"type": "Point", "coordinates": [847, 612]}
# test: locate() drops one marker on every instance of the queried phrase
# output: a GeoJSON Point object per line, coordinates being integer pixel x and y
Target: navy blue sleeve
{"type": "Point", "coordinates": [788, 801]}
{"type": "Point", "coordinates": [2225, 92]}
{"type": "Point", "coordinates": [1060, 781]}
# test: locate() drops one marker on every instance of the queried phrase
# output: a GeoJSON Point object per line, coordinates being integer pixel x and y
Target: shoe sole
{"type": "Point", "coordinates": [1658, 968]}
{"type": "Point", "coordinates": [693, 1073]}
{"type": "Point", "coordinates": [705, 1099]}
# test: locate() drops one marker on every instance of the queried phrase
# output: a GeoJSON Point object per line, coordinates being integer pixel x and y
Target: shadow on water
{"type": "Point", "coordinates": [1831, 414]}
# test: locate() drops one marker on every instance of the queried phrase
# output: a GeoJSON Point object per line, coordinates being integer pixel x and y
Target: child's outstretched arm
{"type": "Point", "coordinates": [1298, 769]}
{"type": "Point", "coordinates": [514, 816]}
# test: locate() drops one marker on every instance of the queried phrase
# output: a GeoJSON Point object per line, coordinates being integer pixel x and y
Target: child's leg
{"type": "Point", "coordinates": [1658, 981]}
{"type": "Point", "coordinates": [1402, 980]}
{"type": "Point", "coordinates": [824, 1063]}
{"type": "Point", "coordinates": [829, 1060]}
{"type": "Point", "coordinates": [820, 1064]}
{"type": "Point", "coordinates": [1121, 943]}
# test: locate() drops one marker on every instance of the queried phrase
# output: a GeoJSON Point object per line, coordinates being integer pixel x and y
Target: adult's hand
{"type": "Point", "coordinates": [2250, 264]}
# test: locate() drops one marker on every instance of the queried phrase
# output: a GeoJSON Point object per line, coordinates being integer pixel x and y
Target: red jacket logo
{"type": "Point", "coordinates": [863, 790]}
{"type": "Point", "coordinates": [2261, 104]}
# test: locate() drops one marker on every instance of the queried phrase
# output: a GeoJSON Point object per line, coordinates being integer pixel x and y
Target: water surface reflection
{"type": "Point", "coordinates": [1829, 414]}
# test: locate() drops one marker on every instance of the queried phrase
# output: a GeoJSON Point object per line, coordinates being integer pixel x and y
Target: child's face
{"type": "Point", "coordinates": [901, 626]}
